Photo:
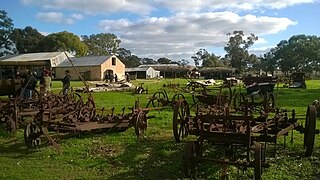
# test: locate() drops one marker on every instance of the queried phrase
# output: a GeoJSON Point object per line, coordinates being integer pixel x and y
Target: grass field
{"type": "Point", "coordinates": [120, 155]}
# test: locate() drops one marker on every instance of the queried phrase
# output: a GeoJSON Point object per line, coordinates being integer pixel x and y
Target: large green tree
{"type": "Point", "coordinates": [148, 61]}
{"type": "Point", "coordinates": [101, 44]}
{"type": "Point", "coordinates": [6, 28]}
{"type": "Point", "coordinates": [200, 56]}
{"type": "Point", "coordinates": [127, 58]}
{"type": "Point", "coordinates": [237, 49]}
{"type": "Point", "coordinates": [212, 61]}
{"type": "Point", "coordinates": [164, 60]}
{"type": "Point", "coordinates": [63, 41]}
{"type": "Point", "coordinates": [26, 40]}
{"type": "Point", "coordinates": [300, 52]}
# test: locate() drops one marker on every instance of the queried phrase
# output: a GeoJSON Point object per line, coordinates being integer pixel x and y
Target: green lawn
{"type": "Point", "coordinates": [120, 155]}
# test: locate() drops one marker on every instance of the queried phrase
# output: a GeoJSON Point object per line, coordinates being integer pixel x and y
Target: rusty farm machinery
{"type": "Point", "coordinates": [243, 135]}
{"type": "Point", "coordinates": [67, 114]}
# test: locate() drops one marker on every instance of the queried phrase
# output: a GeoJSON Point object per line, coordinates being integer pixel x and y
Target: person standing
{"type": "Point", "coordinates": [66, 83]}
{"type": "Point", "coordinates": [30, 83]}
{"type": "Point", "coordinates": [127, 77]}
{"type": "Point", "coordinates": [115, 78]}
{"type": "Point", "coordinates": [46, 82]}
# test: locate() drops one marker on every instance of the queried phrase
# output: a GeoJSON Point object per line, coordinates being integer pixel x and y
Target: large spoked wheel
{"type": "Point", "coordinates": [257, 161]}
{"type": "Point", "coordinates": [177, 97]}
{"type": "Point", "coordinates": [180, 117]}
{"type": "Point", "coordinates": [32, 135]}
{"type": "Point", "coordinates": [225, 95]}
{"type": "Point", "coordinates": [310, 129]}
{"type": "Point", "coordinates": [238, 102]}
{"type": "Point", "coordinates": [141, 124]}
{"type": "Point", "coordinates": [159, 99]}
{"type": "Point", "coordinates": [190, 165]}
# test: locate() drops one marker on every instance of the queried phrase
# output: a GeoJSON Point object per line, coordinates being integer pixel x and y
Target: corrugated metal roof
{"type": "Point", "coordinates": [85, 61]}
{"type": "Point", "coordinates": [158, 65]}
{"type": "Point", "coordinates": [139, 69]}
{"type": "Point", "coordinates": [30, 57]}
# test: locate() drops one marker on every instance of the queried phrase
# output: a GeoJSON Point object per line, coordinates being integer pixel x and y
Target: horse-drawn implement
{"type": "Point", "coordinates": [259, 92]}
{"type": "Point", "coordinates": [68, 114]}
{"type": "Point", "coordinates": [244, 137]}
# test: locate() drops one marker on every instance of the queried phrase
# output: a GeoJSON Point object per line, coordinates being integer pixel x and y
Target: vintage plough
{"type": "Point", "coordinates": [81, 117]}
{"type": "Point", "coordinates": [67, 114]}
{"type": "Point", "coordinates": [243, 137]}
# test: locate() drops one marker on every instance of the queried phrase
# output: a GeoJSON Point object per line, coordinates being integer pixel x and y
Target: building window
{"type": "Point", "coordinates": [114, 60]}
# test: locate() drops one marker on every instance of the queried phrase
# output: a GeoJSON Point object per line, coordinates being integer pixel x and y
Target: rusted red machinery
{"type": "Point", "coordinates": [240, 135]}
{"type": "Point", "coordinates": [161, 99]}
{"type": "Point", "coordinates": [81, 117]}
{"type": "Point", "coordinates": [67, 114]}
{"type": "Point", "coordinates": [259, 94]}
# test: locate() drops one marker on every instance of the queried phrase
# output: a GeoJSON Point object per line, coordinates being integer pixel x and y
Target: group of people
{"type": "Point", "coordinates": [110, 78]}
{"type": "Point", "coordinates": [30, 83]}
{"type": "Point", "coordinates": [114, 78]}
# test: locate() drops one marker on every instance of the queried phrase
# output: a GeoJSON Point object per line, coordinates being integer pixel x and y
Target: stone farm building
{"type": "Point", "coordinates": [142, 73]}
{"type": "Point", "coordinates": [92, 68]}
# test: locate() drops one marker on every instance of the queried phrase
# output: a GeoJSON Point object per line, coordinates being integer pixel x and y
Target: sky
{"type": "Point", "coordinates": [175, 29]}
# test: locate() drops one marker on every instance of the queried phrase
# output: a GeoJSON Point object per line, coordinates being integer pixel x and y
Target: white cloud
{"type": "Point", "coordinates": [235, 5]}
{"type": "Point", "coordinates": [57, 17]}
{"type": "Point", "coordinates": [96, 6]}
{"type": "Point", "coordinates": [144, 7]}
{"type": "Point", "coordinates": [184, 33]}
{"type": "Point", "coordinates": [261, 50]}
{"type": "Point", "coordinates": [44, 33]}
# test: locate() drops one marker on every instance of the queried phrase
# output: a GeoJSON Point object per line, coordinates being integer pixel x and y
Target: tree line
{"type": "Point", "coordinates": [299, 53]}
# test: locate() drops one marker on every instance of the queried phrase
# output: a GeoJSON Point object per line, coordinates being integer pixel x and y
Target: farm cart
{"type": "Point", "coordinates": [240, 136]}
{"type": "Point", "coordinates": [259, 92]}
{"type": "Point", "coordinates": [218, 128]}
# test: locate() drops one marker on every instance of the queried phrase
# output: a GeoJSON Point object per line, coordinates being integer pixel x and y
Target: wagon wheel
{"type": "Point", "coordinates": [177, 97]}
{"type": "Point", "coordinates": [190, 165]}
{"type": "Point", "coordinates": [88, 111]}
{"type": "Point", "coordinates": [310, 129]}
{"type": "Point", "coordinates": [159, 99]}
{"type": "Point", "coordinates": [257, 161]}
{"type": "Point", "coordinates": [196, 87]}
{"type": "Point", "coordinates": [225, 95]}
{"type": "Point", "coordinates": [141, 124]}
{"type": "Point", "coordinates": [10, 124]}
{"type": "Point", "coordinates": [268, 101]}
{"type": "Point", "coordinates": [180, 117]}
{"type": "Point", "coordinates": [32, 135]}
{"type": "Point", "coordinates": [238, 102]}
